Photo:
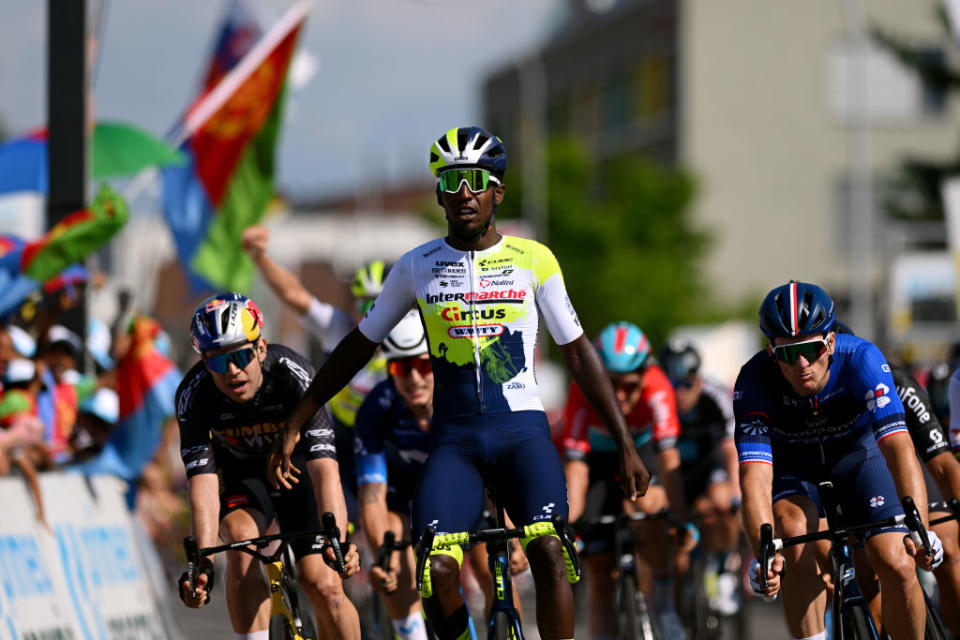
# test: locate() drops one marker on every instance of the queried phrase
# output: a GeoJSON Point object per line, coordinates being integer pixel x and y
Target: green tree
{"type": "Point", "coordinates": [915, 187]}
{"type": "Point", "coordinates": [623, 233]}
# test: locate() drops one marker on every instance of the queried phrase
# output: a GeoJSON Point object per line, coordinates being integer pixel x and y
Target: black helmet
{"type": "Point", "coordinates": [679, 359]}
{"type": "Point", "coordinates": [796, 309]}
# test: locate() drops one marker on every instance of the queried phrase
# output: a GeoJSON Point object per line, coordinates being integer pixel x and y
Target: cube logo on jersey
{"type": "Point", "coordinates": [878, 398]}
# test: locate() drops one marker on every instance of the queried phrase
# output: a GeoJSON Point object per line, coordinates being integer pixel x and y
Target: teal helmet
{"type": "Point", "coordinates": [623, 347]}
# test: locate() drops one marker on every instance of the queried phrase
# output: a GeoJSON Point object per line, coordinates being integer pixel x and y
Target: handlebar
{"type": "Point", "coordinates": [328, 531]}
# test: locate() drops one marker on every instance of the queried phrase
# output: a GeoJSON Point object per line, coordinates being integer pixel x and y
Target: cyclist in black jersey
{"type": "Point", "coordinates": [942, 477]}
{"type": "Point", "coordinates": [480, 295]}
{"type": "Point", "coordinates": [708, 463]}
{"type": "Point", "coordinates": [231, 407]}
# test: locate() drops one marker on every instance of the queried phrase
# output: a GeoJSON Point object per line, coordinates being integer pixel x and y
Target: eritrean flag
{"type": "Point", "coordinates": [230, 135]}
{"type": "Point", "coordinates": [26, 266]}
{"type": "Point", "coordinates": [146, 384]}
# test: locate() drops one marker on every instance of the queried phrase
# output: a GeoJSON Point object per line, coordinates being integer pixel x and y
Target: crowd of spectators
{"type": "Point", "coordinates": [59, 407]}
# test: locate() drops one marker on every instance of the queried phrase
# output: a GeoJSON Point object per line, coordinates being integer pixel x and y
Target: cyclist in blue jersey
{"type": "Point", "coordinates": [480, 295]}
{"type": "Point", "coordinates": [814, 406]}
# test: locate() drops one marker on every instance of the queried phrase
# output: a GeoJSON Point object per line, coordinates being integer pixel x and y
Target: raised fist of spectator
{"type": "Point", "coordinates": [255, 240]}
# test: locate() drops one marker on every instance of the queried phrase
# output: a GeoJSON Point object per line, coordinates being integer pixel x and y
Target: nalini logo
{"type": "Point", "coordinates": [878, 398]}
{"type": "Point", "coordinates": [877, 501]}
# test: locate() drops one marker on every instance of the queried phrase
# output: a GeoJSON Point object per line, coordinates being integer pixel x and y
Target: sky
{"type": "Point", "coordinates": [392, 75]}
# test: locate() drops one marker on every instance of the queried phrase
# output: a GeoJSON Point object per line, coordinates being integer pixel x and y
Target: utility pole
{"type": "Point", "coordinates": [67, 121]}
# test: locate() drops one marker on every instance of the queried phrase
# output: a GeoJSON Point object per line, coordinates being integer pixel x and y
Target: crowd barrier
{"type": "Point", "coordinates": [94, 574]}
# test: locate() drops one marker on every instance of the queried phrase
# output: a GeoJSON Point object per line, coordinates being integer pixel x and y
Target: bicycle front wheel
{"type": "Point", "coordinates": [501, 626]}
{"type": "Point", "coordinates": [857, 625]}
{"type": "Point", "coordinates": [280, 628]}
{"type": "Point", "coordinates": [935, 629]}
{"type": "Point", "coordinates": [633, 616]}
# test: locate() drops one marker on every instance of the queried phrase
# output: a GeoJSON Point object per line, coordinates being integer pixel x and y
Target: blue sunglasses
{"type": "Point", "coordinates": [220, 363]}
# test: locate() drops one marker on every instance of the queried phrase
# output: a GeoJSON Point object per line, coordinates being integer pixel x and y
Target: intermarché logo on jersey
{"type": "Point", "coordinates": [511, 296]}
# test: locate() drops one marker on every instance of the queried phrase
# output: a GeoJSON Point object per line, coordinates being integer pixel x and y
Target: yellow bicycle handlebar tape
{"type": "Point", "coordinates": [448, 549]}
{"type": "Point", "coordinates": [540, 529]}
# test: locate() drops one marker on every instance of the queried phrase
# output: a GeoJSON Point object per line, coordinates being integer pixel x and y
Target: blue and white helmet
{"type": "Point", "coordinates": [796, 309]}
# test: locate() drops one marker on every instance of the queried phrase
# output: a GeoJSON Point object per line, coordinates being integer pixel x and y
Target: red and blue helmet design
{"type": "Point", "coordinates": [796, 309]}
{"type": "Point", "coordinates": [623, 347]}
{"type": "Point", "coordinates": [225, 320]}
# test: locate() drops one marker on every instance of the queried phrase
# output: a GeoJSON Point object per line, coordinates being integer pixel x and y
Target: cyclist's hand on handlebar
{"type": "Point", "coordinates": [383, 581]}
{"type": "Point", "coordinates": [518, 559]}
{"type": "Point", "coordinates": [924, 561]}
{"type": "Point", "coordinates": [281, 472]}
{"type": "Point", "coordinates": [200, 595]}
{"type": "Point", "coordinates": [351, 560]}
{"type": "Point", "coordinates": [636, 477]}
{"type": "Point", "coordinates": [773, 577]}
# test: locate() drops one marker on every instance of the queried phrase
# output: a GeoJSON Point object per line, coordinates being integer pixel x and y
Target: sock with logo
{"type": "Point", "coordinates": [410, 628]}
{"type": "Point", "coordinates": [817, 636]}
{"type": "Point", "coordinates": [254, 635]}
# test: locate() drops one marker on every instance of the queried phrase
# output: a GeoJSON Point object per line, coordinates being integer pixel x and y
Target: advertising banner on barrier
{"type": "Point", "coordinates": [84, 577]}
{"type": "Point", "coordinates": [34, 599]}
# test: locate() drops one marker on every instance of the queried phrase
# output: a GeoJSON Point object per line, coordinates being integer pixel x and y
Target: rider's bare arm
{"type": "Point", "coordinates": [578, 477]}
{"type": "Point", "coordinates": [901, 457]}
{"type": "Point", "coordinates": [586, 368]}
{"type": "Point", "coordinates": [756, 482]}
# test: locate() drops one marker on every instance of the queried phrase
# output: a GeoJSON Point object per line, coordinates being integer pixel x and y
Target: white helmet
{"type": "Point", "coordinates": [407, 338]}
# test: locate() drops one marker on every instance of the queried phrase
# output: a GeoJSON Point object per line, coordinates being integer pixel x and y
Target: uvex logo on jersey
{"type": "Point", "coordinates": [511, 296]}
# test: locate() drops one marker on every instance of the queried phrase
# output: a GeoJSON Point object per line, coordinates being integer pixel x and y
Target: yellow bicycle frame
{"type": "Point", "coordinates": [278, 604]}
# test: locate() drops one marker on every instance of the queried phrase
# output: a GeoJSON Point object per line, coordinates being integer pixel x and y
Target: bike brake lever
{"type": "Point", "coordinates": [424, 547]}
{"type": "Point", "coordinates": [386, 550]}
{"type": "Point", "coordinates": [329, 523]}
{"type": "Point", "coordinates": [918, 532]}
{"type": "Point", "coordinates": [193, 563]}
{"type": "Point", "coordinates": [766, 553]}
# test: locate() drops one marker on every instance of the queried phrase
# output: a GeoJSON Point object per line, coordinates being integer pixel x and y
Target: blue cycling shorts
{"type": "Point", "coordinates": [511, 452]}
{"type": "Point", "coordinates": [863, 486]}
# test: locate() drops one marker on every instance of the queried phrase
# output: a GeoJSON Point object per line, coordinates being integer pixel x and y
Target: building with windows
{"type": "Point", "coordinates": [760, 102]}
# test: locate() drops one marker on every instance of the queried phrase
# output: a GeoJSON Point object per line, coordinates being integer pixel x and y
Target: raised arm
{"type": "Point", "coordinates": [282, 282]}
{"type": "Point", "coordinates": [351, 354]}
{"type": "Point", "coordinates": [584, 365]}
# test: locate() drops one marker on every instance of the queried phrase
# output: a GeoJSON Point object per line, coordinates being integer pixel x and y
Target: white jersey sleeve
{"type": "Point", "coordinates": [397, 297]}
{"type": "Point", "coordinates": [327, 323]}
{"type": "Point", "coordinates": [552, 300]}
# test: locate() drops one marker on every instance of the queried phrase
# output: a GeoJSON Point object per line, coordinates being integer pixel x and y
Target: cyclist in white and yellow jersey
{"type": "Point", "coordinates": [480, 295]}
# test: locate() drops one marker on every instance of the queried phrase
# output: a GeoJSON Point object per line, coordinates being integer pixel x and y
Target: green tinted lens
{"type": "Point", "coordinates": [790, 353]}
{"type": "Point", "coordinates": [477, 180]}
